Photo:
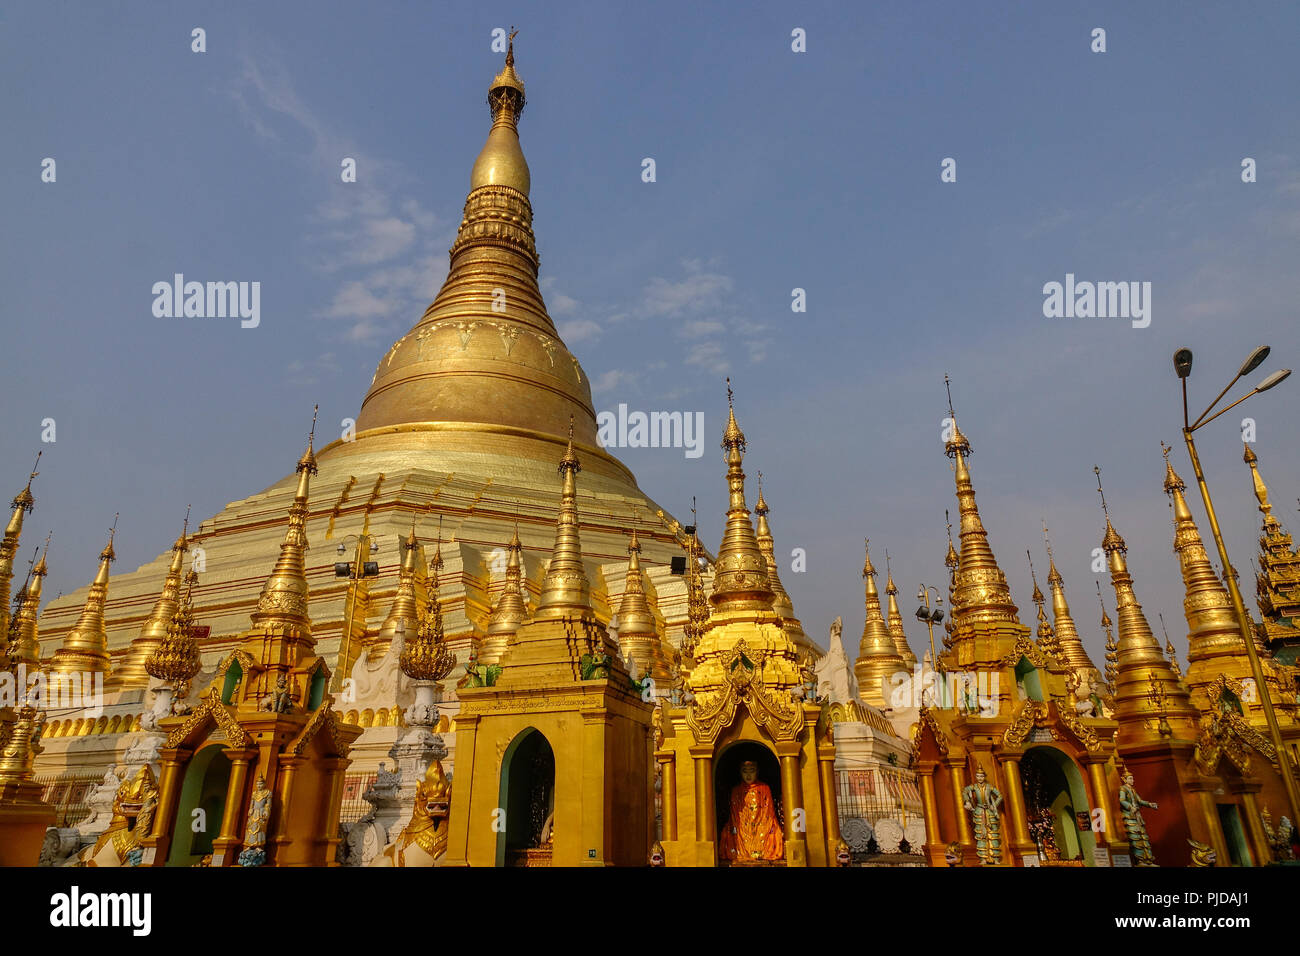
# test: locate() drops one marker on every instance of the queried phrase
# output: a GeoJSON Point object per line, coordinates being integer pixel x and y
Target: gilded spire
{"type": "Point", "coordinates": [24, 638]}
{"type": "Point", "coordinates": [425, 655]}
{"type": "Point", "coordinates": [566, 590]}
{"type": "Point", "coordinates": [1046, 633]}
{"type": "Point", "coordinates": [740, 578]}
{"type": "Point", "coordinates": [501, 162]}
{"type": "Point", "coordinates": [781, 602]}
{"type": "Point", "coordinates": [22, 505]}
{"type": "Point", "coordinates": [981, 593]}
{"type": "Point", "coordinates": [510, 611]}
{"type": "Point", "coordinates": [281, 624]}
{"type": "Point", "coordinates": [488, 316]}
{"type": "Point", "coordinates": [175, 659]}
{"type": "Point", "coordinates": [1213, 633]}
{"type": "Point", "coordinates": [132, 672]}
{"type": "Point", "coordinates": [404, 614]}
{"type": "Point", "coordinates": [896, 619]}
{"type": "Point", "coordinates": [952, 562]}
{"type": "Point", "coordinates": [1170, 652]}
{"type": "Point", "coordinates": [1069, 644]}
{"type": "Point", "coordinates": [1277, 579]}
{"type": "Point", "coordinates": [878, 658]}
{"type": "Point", "coordinates": [638, 632]}
{"type": "Point", "coordinates": [85, 647]}
{"type": "Point", "coordinates": [1140, 664]}
{"type": "Point", "coordinates": [697, 602]}
{"type": "Point", "coordinates": [1112, 648]}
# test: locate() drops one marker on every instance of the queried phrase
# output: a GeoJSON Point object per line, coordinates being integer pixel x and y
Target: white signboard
{"type": "Point", "coordinates": [1101, 856]}
{"type": "Point", "coordinates": [1122, 859]}
{"type": "Point", "coordinates": [1031, 859]}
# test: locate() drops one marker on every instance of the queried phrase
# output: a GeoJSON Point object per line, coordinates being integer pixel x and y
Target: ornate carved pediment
{"type": "Point", "coordinates": [1225, 733]}
{"type": "Point", "coordinates": [780, 716]}
{"type": "Point", "coordinates": [1028, 649]}
{"type": "Point", "coordinates": [1081, 733]}
{"type": "Point", "coordinates": [210, 710]}
{"type": "Point", "coordinates": [926, 722]}
{"type": "Point", "coordinates": [323, 717]}
{"type": "Point", "coordinates": [1030, 713]}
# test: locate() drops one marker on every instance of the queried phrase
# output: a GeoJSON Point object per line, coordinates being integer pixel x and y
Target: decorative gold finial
{"type": "Point", "coordinates": [1169, 648]}
{"type": "Point", "coordinates": [510, 46]}
{"type": "Point", "coordinates": [108, 554]}
{"type": "Point", "coordinates": [24, 499]}
{"type": "Point", "coordinates": [570, 460]}
{"type": "Point", "coordinates": [1111, 541]}
{"type": "Point", "coordinates": [307, 463]}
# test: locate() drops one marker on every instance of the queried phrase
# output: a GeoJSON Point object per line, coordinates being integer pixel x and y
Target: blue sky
{"type": "Point", "coordinates": [775, 170]}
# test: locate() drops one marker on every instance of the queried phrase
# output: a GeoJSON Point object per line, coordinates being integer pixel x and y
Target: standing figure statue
{"type": "Point", "coordinates": [1130, 806]}
{"type": "Point", "coordinates": [1279, 840]}
{"type": "Point", "coordinates": [984, 802]}
{"type": "Point", "coordinates": [259, 814]}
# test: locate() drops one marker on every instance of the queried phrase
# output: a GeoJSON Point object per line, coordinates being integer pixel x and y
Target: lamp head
{"type": "Point", "coordinates": [1183, 362]}
{"type": "Point", "coordinates": [1273, 379]}
{"type": "Point", "coordinates": [1254, 360]}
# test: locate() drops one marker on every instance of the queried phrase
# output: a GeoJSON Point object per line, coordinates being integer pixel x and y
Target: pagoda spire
{"type": "Point", "coordinates": [740, 578]}
{"type": "Point", "coordinates": [1141, 664]}
{"type": "Point", "coordinates": [510, 611]}
{"type": "Point", "coordinates": [638, 631]}
{"type": "Point", "coordinates": [1277, 579]}
{"type": "Point", "coordinates": [85, 647]}
{"type": "Point", "coordinates": [896, 619]}
{"type": "Point", "coordinates": [981, 593]}
{"type": "Point", "coordinates": [1068, 642]}
{"type": "Point", "coordinates": [132, 671]}
{"type": "Point", "coordinates": [697, 601]}
{"type": "Point", "coordinates": [878, 658]}
{"type": "Point", "coordinates": [1046, 633]}
{"type": "Point", "coordinates": [404, 615]}
{"type": "Point", "coordinates": [281, 633]}
{"type": "Point", "coordinates": [24, 636]}
{"type": "Point", "coordinates": [1213, 633]}
{"type": "Point", "coordinates": [425, 655]}
{"type": "Point", "coordinates": [175, 659]}
{"type": "Point", "coordinates": [22, 505]}
{"type": "Point", "coordinates": [566, 590]}
{"type": "Point", "coordinates": [781, 602]}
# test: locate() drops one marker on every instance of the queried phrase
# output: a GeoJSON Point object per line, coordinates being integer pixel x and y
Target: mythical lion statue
{"type": "Point", "coordinates": [424, 839]}
{"type": "Point", "coordinates": [133, 810]}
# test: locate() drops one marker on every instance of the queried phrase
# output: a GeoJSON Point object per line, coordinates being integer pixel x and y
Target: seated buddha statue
{"type": "Point", "coordinates": [752, 832]}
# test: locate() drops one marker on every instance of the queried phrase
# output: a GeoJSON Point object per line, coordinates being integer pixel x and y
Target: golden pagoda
{"type": "Point", "coordinates": [1013, 720]}
{"type": "Point", "coordinates": [878, 657]}
{"type": "Point", "coordinates": [404, 613]}
{"type": "Point", "coordinates": [263, 737]}
{"type": "Point", "coordinates": [510, 610]}
{"type": "Point", "coordinates": [745, 743]}
{"type": "Point", "coordinates": [1277, 580]}
{"type": "Point", "coordinates": [1214, 644]}
{"type": "Point", "coordinates": [22, 505]}
{"type": "Point", "coordinates": [1174, 751]}
{"type": "Point", "coordinates": [1068, 642]}
{"type": "Point", "coordinates": [464, 418]}
{"type": "Point", "coordinates": [638, 627]}
{"type": "Point", "coordinates": [24, 817]}
{"type": "Point", "coordinates": [781, 599]}
{"type": "Point", "coordinates": [131, 671]}
{"type": "Point", "coordinates": [85, 647]}
{"type": "Point", "coordinates": [553, 749]}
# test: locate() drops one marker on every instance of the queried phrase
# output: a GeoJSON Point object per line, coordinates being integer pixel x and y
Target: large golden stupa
{"type": "Point", "coordinates": [464, 420]}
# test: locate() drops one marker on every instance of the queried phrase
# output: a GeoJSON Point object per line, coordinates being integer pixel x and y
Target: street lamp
{"type": "Point", "coordinates": [930, 618]}
{"type": "Point", "coordinates": [1183, 367]}
{"type": "Point", "coordinates": [354, 570]}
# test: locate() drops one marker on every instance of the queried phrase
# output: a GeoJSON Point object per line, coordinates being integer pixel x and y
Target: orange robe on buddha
{"type": "Point", "coordinates": [752, 831]}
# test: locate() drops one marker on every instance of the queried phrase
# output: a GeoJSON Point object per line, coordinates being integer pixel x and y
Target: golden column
{"type": "Point", "coordinates": [706, 815]}
{"type": "Point", "coordinates": [1020, 841]}
{"type": "Point", "coordinates": [957, 777]}
{"type": "Point", "coordinates": [232, 817]}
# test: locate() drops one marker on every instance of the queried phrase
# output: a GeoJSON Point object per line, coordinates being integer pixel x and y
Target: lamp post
{"type": "Point", "coordinates": [1183, 367]}
{"type": "Point", "coordinates": [354, 570]}
{"type": "Point", "coordinates": [930, 618]}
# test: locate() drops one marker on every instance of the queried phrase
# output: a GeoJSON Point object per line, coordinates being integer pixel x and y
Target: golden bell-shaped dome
{"type": "Point", "coordinates": [485, 356]}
